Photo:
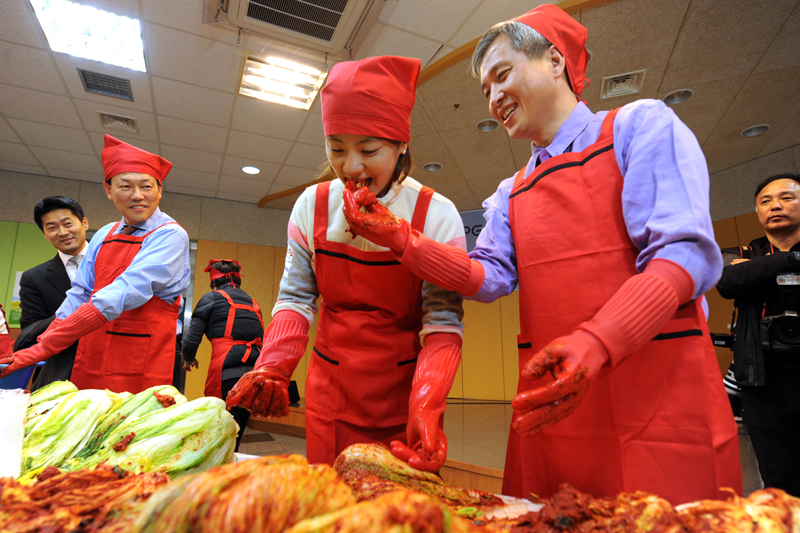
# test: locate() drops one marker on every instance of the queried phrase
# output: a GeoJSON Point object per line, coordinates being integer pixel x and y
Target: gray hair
{"type": "Point", "coordinates": [522, 37]}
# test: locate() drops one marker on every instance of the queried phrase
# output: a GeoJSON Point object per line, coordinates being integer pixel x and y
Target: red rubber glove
{"type": "Point", "coordinates": [6, 346]}
{"type": "Point", "coordinates": [59, 336]}
{"type": "Point", "coordinates": [636, 313]}
{"type": "Point", "coordinates": [265, 390]}
{"type": "Point", "coordinates": [447, 266]}
{"type": "Point", "coordinates": [436, 369]}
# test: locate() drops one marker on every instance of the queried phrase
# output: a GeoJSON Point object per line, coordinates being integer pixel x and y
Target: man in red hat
{"type": "Point", "coordinates": [125, 298]}
{"type": "Point", "coordinates": [608, 233]}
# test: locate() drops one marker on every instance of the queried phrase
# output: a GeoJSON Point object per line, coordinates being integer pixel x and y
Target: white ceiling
{"type": "Point", "coordinates": [741, 57]}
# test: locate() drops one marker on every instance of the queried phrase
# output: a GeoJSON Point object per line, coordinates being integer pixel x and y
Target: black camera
{"type": "Point", "coordinates": [723, 340]}
{"type": "Point", "coordinates": [781, 333]}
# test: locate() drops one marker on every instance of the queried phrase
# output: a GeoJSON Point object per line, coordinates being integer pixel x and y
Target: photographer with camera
{"type": "Point", "coordinates": [764, 281]}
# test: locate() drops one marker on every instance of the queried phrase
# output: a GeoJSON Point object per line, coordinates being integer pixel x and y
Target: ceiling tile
{"type": "Point", "coordinates": [7, 134]}
{"type": "Point", "coordinates": [257, 147]}
{"type": "Point", "coordinates": [712, 29]}
{"type": "Point", "coordinates": [239, 197]}
{"type": "Point", "coordinates": [767, 98]}
{"type": "Point", "coordinates": [796, 151]}
{"type": "Point", "coordinates": [435, 21]}
{"type": "Point", "coordinates": [193, 59]}
{"type": "Point", "coordinates": [365, 50]}
{"type": "Point", "coordinates": [16, 167]}
{"type": "Point", "coordinates": [785, 138]}
{"type": "Point", "coordinates": [442, 53]}
{"type": "Point", "coordinates": [284, 202]}
{"type": "Point", "coordinates": [733, 188]}
{"type": "Point", "coordinates": [98, 141]}
{"type": "Point", "coordinates": [783, 51]}
{"type": "Point", "coordinates": [140, 82]}
{"type": "Point", "coordinates": [267, 118]}
{"type": "Point", "coordinates": [50, 136]}
{"type": "Point", "coordinates": [193, 103]}
{"type": "Point", "coordinates": [521, 150]}
{"type": "Point", "coordinates": [186, 15]}
{"type": "Point", "coordinates": [169, 187]}
{"type": "Point", "coordinates": [38, 106]}
{"type": "Point", "coordinates": [420, 121]}
{"type": "Point", "coordinates": [189, 159]}
{"type": "Point", "coordinates": [184, 209]}
{"type": "Point", "coordinates": [703, 111]}
{"type": "Point", "coordinates": [293, 176]}
{"type": "Point", "coordinates": [232, 166]}
{"type": "Point", "coordinates": [393, 41]}
{"type": "Point", "coordinates": [19, 25]}
{"type": "Point", "coordinates": [243, 187]}
{"type": "Point", "coordinates": [191, 134]}
{"type": "Point", "coordinates": [90, 114]}
{"type": "Point", "coordinates": [179, 177]}
{"type": "Point", "coordinates": [17, 153]}
{"type": "Point", "coordinates": [486, 186]}
{"type": "Point", "coordinates": [95, 177]}
{"type": "Point", "coordinates": [127, 8]}
{"type": "Point", "coordinates": [490, 13]}
{"type": "Point", "coordinates": [306, 156]}
{"type": "Point", "coordinates": [61, 160]}
{"type": "Point", "coordinates": [28, 67]}
{"type": "Point", "coordinates": [480, 153]}
{"type": "Point", "coordinates": [312, 132]}
{"type": "Point", "coordinates": [621, 43]}
{"type": "Point", "coordinates": [454, 86]}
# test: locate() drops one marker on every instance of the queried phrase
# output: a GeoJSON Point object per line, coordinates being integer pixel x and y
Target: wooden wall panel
{"type": "Point", "coordinates": [258, 280]}
{"type": "Point", "coordinates": [725, 233]}
{"type": "Point", "coordinates": [206, 250]}
{"type": "Point", "coordinates": [720, 309]}
{"type": "Point", "coordinates": [509, 311]}
{"type": "Point", "coordinates": [748, 228]}
{"type": "Point", "coordinates": [482, 353]}
{"type": "Point", "coordinates": [8, 236]}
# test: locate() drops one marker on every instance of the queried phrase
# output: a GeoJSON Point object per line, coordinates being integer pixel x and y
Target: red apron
{"type": "Point", "coordinates": [363, 363]}
{"type": "Point", "coordinates": [660, 420]}
{"type": "Point", "coordinates": [135, 351]}
{"type": "Point", "coordinates": [222, 345]}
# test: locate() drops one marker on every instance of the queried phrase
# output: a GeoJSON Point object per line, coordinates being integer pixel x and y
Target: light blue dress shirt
{"type": "Point", "coordinates": [161, 268]}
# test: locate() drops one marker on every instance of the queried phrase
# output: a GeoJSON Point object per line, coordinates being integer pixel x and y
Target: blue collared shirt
{"type": "Point", "coordinates": [161, 268]}
{"type": "Point", "coordinates": [665, 200]}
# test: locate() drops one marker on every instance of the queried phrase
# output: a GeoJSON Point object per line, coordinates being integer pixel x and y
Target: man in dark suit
{"type": "Point", "coordinates": [43, 288]}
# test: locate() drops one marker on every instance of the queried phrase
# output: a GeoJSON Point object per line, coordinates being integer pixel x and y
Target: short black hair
{"type": "Point", "coordinates": [784, 176]}
{"type": "Point", "coordinates": [54, 203]}
{"type": "Point", "coordinates": [226, 267]}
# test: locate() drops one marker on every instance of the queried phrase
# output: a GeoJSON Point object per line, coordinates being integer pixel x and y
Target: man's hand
{"type": "Point", "coordinates": [378, 225]}
{"type": "Point", "coordinates": [13, 365]}
{"type": "Point", "coordinates": [574, 361]}
{"type": "Point", "coordinates": [740, 260]}
{"type": "Point", "coordinates": [263, 392]}
{"type": "Point", "coordinates": [189, 366]}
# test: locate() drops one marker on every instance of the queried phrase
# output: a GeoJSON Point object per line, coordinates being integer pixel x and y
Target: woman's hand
{"type": "Point", "coordinates": [263, 392]}
{"type": "Point", "coordinates": [378, 225]}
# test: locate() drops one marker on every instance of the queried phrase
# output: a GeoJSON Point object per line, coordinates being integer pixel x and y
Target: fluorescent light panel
{"type": "Point", "coordinates": [91, 33]}
{"type": "Point", "coordinates": [281, 81]}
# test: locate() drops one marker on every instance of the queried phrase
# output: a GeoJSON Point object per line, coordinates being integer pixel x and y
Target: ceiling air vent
{"type": "Point", "coordinates": [95, 82]}
{"type": "Point", "coordinates": [332, 27]}
{"type": "Point", "coordinates": [622, 84]}
{"type": "Point", "coordinates": [118, 122]}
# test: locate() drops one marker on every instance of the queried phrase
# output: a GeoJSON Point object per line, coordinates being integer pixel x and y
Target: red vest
{"type": "Point", "coordinates": [135, 351]}
{"type": "Point", "coordinates": [222, 345]}
{"type": "Point", "coordinates": [659, 421]}
{"type": "Point", "coordinates": [367, 343]}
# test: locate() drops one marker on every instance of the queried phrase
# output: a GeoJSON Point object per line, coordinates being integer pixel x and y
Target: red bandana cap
{"type": "Point", "coordinates": [372, 97]}
{"type": "Point", "coordinates": [568, 36]}
{"type": "Point", "coordinates": [119, 157]}
{"type": "Point", "coordinates": [216, 274]}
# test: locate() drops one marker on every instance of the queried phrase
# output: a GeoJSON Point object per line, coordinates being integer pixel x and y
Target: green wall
{"type": "Point", "coordinates": [23, 246]}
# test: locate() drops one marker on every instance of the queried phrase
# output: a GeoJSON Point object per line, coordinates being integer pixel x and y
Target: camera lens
{"type": "Point", "coordinates": [787, 330]}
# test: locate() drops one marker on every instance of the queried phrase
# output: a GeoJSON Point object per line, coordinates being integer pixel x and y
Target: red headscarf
{"type": "Point", "coordinates": [216, 274]}
{"type": "Point", "coordinates": [119, 157]}
{"type": "Point", "coordinates": [568, 36]}
{"type": "Point", "coordinates": [372, 97]}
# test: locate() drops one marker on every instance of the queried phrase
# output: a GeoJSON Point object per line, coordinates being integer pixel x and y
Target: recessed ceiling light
{"type": "Point", "coordinates": [91, 33]}
{"type": "Point", "coordinates": [755, 130]}
{"type": "Point", "coordinates": [251, 170]}
{"type": "Point", "coordinates": [432, 166]}
{"type": "Point", "coordinates": [488, 124]}
{"type": "Point", "coordinates": [676, 97]}
{"type": "Point", "coordinates": [281, 81]}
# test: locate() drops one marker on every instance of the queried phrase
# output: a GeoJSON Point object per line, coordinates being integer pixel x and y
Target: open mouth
{"type": "Point", "coordinates": [509, 111]}
{"type": "Point", "coordinates": [362, 183]}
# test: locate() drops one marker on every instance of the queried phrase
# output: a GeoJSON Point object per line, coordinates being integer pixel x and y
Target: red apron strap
{"type": "Point", "coordinates": [607, 130]}
{"type": "Point", "coordinates": [229, 324]}
{"type": "Point", "coordinates": [231, 313]}
{"type": "Point", "coordinates": [321, 212]}
{"type": "Point", "coordinates": [421, 209]}
{"type": "Point", "coordinates": [154, 229]}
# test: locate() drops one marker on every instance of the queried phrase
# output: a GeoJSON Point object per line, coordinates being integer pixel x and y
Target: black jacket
{"type": "Point", "coordinates": [210, 317]}
{"type": "Point", "coordinates": [754, 290]}
{"type": "Point", "coordinates": [42, 289]}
